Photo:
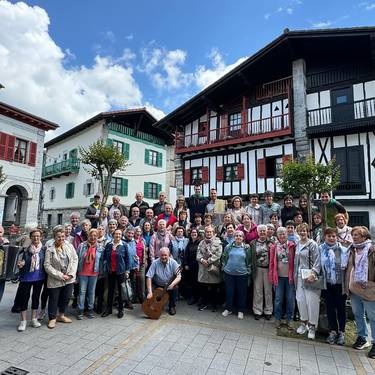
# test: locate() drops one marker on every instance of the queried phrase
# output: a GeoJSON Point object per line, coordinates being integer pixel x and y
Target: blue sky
{"type": "Point", "coordinates": [96, 55]}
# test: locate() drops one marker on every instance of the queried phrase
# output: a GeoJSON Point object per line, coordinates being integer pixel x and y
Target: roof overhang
{"type": "Point", "coordinates": [286, 48]}
{"type": "Point", "coordinates": [25, 117]}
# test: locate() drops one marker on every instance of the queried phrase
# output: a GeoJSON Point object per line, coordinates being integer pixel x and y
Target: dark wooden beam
{"type": "Point", "coordinates": [210, 104]}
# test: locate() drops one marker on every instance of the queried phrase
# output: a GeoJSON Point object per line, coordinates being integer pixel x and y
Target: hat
{"type": "Point", "coordinates": [97, 196]}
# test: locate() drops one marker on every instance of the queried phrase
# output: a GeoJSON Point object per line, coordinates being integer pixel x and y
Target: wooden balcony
{"type": "Point", "coordinates": [266, 128]}
{"type": "Point", "coordinates": [342, 118]}
{"type": "Point", "coordinates": [65, 167]}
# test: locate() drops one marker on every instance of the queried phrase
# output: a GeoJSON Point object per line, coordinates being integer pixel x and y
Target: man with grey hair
{"type": "Point", "coordinates": [141, 204]}
{"type": "Point", "coordinates": [158, 207]}
{"type": "Point", "coordinates": [116, 204]}
{"type": "Point", "coordinates": [164, 271]}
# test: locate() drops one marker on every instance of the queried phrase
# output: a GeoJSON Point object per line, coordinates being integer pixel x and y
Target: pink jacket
{"type": "Point", "coordinates": [273, 271]}
{"type": "Point", "coordinates": [250, 235]}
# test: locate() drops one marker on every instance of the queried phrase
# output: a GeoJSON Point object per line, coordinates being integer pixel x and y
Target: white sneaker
{"type": "Point", "coordinates": [226, 313]}
{"type": "Point", "coordinates": [311, 334]}
{"type": "Point", "coordinates": [22, 326]}
{"type": "Point", "coordinates": [302, 329]}
{"type": "Point", "coordinates": [35, 323]}
{"type": "Point", "coordinates": [240, 315]}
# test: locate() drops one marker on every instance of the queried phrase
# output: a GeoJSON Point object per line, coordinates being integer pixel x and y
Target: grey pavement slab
{"type": "Point", "coordinates": [191, 342]}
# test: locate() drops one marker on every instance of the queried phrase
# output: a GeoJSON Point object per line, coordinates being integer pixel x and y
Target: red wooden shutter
{"type": "Point", "coordinates": [204, 175]}
{"type": "Point", "coordinates": [187, 177]}
{"type": "Point", "coordinates": [32, 154]}
{"type": "Point", "coordinates": [287, 158]}
{"type": "Point", "coordinates": [261, 167]}
{"type": "Point", "coordinates": [9, 151]}
{"type": "Point", "coordinates": [220, 173]}
{"type": "Point", "coordinates": [241, 171]}
{"type": "Point", "coordinates": [3, 142]}
{"type": "Point", "coordinates": [223, 126]}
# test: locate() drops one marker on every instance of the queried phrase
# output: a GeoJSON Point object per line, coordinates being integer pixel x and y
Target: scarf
{"type": "Point", "coordinates": [35, 259]}
{"type": "Point", "coordinates": [344, 233]}
{"type": "Point", "coordinates": [360, 272]}
{"type": "Point", "coordinates": [328, 261]}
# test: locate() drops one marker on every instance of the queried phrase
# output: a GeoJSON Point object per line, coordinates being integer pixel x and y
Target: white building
{"type": "Point", "coordinates": [21, 156]}
{"type": "Point", "coordinates": [68, 186]}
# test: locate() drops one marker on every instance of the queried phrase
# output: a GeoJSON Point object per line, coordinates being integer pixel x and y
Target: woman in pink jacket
{"type": "Point", "coordinates": [248, 228]}
{"type": "Point", "coordinates": [281, 270]}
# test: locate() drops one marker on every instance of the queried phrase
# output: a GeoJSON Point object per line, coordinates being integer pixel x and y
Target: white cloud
{"type": "Point", "coordinates": [366, 5]}
{"type": "Point", "coordinates": [289, 10]}
{"type": "Point", "coordinates": [32, 69]}
{"type": "Point", "coordinates": [267, 16]}
{"type": "Point", "coordinates": [129, 37]}
{"type": "Point", "coordinates": [157, 113]}
{"type": "Point", "coordinates": [205, 76]}
{"type": "Point", "coordinates": [164, 67]}
{"type": "Point", "coordinates": [321, 24]}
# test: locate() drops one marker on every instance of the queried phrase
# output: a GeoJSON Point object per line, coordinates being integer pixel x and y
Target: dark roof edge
{"type": "Point", "coordinates": [49, 125]}
{"type": "Point", "coordinates": [102, 115]}
{"type": "Point", "coordinates": [285, 35]}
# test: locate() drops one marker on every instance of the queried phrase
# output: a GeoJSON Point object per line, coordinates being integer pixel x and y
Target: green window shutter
{"type": "Point", "coordinates": [125, 150]}
{"type": "Point", "coordinates": [147, 156]}
{"type": "Point", "coordinates": [72, 189]}
{"type": "Point", "coordinates": [109, 141]}
{"type": "Point", "coordinates": [160, 159]}
{"type": "Point", "coordinates": [146, 189]}
{"type": "Point", "coordinates": [159, 188]}
{"type": "Point", "coordinates": [124, 187]}
{"type": "Point", "coordinates": [69, 190]}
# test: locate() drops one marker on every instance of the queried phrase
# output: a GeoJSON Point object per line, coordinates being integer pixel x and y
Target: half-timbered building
{"type": "Point", "coordinates": [306, 92]}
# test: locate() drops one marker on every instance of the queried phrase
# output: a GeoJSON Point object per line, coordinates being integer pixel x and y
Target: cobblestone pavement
{"type": "Point", "coordinates": [191, 342]}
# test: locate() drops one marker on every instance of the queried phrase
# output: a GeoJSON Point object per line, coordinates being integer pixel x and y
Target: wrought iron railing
{"type": "Point", "coordinates": [66, 166]}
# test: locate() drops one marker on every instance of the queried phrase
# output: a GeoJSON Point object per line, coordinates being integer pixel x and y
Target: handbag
{"type": "Point", "coordinates": [126, 290]}
{"type": "Point", "coordinates": [318, 283]}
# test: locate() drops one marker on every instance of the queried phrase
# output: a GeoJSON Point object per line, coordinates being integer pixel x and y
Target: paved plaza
{"type": "Point", "coordinates": [191, 342]}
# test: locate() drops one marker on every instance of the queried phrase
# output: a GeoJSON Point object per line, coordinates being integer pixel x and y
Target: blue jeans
{"type": "Point", "coordinates": [87, 286]}
{"type": "Point", "coordinates": [235, 286]}
{"type": "Point", "coordinates": [284, 290]}
{"type": "Point", "coordinates": [359, 307]}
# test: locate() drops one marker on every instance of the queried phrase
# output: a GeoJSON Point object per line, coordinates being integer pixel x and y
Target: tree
{"type": "Point", "coordinates": [102, 161]}
{"type": "Point", "coordinates": [309, 178]}
{"type": "Point", "coordinates": [2, 175]}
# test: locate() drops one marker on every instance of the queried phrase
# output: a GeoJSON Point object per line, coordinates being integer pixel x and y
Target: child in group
{"type": "Point", "coordinates": [291, 231]}
{"type": "Point", "coordinates": [333, 257]}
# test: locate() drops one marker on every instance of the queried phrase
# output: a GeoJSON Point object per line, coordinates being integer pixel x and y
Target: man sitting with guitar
{"type": "Point", "coordinates": [164, 272]}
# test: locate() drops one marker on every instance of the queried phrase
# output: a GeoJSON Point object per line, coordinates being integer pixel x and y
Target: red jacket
{"type": "Point", "coordinates": [250, 235]}
{"type": "Point", "coordinates": [273, 271]}
{"type": "Point", "coordinates": [172, 219]}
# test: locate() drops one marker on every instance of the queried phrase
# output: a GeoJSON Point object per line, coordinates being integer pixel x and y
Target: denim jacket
{"type": "Point", "coordinates": [82, 249]}
{"type": "Point", "coordinates": [122, 257]}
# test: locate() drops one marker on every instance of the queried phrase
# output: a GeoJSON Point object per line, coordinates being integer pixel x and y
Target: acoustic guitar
{"type": "Point", "coordinates": [154, 306]}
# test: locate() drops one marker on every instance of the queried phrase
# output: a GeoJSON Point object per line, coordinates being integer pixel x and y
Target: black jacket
{"type": "Point", "coordinates": [142, 208]}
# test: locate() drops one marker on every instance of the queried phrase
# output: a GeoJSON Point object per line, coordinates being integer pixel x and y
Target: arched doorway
{"type": "Point", "coordinates": [15, 205]}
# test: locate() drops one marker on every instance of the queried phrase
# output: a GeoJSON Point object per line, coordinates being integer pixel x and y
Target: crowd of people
{"type": "Point", "coordinates": [262, 255]}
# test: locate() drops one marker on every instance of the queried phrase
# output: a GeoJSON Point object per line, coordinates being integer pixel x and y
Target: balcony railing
{"type": "Point", "coordinates": [348, 114]}
{"type": "Point", "coordinates": [251, 131]}
{"type": "Point", "coordinates": [64, 167]}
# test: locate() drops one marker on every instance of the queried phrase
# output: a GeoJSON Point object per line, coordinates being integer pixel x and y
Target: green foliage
{"type": "Point", "coordinates": [309, 178]}
{"type": "Point", "coordinates": [2, 175]}
{"type": "Point", "coordinates": [102, 161]}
